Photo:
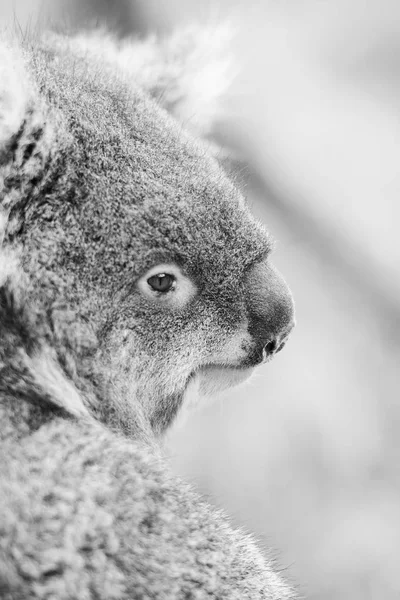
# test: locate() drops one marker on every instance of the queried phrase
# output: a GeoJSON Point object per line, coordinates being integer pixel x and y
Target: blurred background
{"type": "Point", "coordinates": [307, 453]}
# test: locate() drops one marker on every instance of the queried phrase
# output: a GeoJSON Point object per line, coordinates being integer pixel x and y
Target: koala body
{"type": "Point", "coordinates": [130, 267]}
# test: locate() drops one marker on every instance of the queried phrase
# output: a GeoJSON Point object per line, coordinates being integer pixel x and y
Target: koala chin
{"type": "Point", "coordinates": [131, 270]}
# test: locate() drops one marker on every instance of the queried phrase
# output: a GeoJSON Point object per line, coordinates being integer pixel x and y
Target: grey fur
{"type": "Point", "coordinates": [99, 184]}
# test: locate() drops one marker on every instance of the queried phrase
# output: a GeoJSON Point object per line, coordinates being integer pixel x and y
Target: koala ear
{"type": "Point", "coordinates": [27, 130]}
{"type": "Point", "coordinates": [188, 73]}
{"type": "Point", "coordinates": [14, 98]}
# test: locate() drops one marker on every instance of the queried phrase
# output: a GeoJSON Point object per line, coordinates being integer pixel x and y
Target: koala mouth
{"type": "Point", "coordinates": [213, 379]}
{"type": "Point", "coordinates": [208, 381]}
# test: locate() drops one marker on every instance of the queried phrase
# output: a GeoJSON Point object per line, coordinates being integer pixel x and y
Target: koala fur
{"type": "Point", "coordinates": [101, 188]}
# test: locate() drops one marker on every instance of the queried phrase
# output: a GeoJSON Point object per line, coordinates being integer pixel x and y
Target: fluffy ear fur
{"type": "Point", "coordinates": [188, 73]}
{"type": "Point", "coordinates": [27, 130]}
{"type": "Point", "coordinates": [14, 98]}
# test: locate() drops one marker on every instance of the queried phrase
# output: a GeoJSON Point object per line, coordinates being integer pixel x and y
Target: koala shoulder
{"type": "Point", "coordinates": [104, 518]}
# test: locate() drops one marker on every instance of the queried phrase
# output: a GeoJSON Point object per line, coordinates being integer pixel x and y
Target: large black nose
{"type": "Point", "coordinates": [270, 310]}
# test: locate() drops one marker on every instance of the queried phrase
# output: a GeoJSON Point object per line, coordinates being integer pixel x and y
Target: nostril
{"type": "Point", "coordinates": [270, 348]}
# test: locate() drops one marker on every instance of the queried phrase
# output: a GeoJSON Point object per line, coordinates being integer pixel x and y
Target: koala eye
{"type": "Point", "coordinates": [162, 282]}
{"type": "Point", "coordinates": [157, 283]}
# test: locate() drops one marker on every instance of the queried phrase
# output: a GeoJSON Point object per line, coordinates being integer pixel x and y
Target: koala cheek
{"type": "Point", "coordinates": [117, 359]}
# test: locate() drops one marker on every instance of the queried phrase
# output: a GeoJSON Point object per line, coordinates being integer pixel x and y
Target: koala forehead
{"type": "Point", "coordinates": [138, 187]}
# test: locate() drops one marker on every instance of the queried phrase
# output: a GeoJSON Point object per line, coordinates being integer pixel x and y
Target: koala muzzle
{"type": "Point", "coordinates": [270, 310]}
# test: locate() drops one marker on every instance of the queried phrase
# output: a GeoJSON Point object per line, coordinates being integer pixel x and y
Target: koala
{"type": "Point", "coordinates": [131, 271]}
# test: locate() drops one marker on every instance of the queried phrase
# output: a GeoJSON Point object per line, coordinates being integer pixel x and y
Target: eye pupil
{"type": "Point", "coordinates": [162, 282]}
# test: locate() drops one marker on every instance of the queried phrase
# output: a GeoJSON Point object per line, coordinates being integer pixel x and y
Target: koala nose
{"type": "Point", "coordinates": [270, 310]}
{"type": "Point", "coordinates": [274, 346]}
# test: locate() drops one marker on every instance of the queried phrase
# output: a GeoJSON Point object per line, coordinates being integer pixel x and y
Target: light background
{"type": "Point", "coordinates": [306, 454]}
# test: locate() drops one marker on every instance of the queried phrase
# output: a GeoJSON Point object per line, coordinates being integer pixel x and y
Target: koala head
{"type": "Point", "coordinates": [138, 247]}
